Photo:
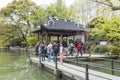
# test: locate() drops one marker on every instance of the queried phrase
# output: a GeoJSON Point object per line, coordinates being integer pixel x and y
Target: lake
{"type": "Point", "coordinates": [15, 65]}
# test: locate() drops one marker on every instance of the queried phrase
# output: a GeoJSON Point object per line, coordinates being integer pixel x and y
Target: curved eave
{"type": "Point", "coordinates": [88, 29]}
{"type": "Point", "coordinates": [50, 28]}
{"type": "Point", "coordinates": [36, 30]}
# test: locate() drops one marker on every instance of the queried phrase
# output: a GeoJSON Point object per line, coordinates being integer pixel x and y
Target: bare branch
{"type": "Point", "coordinates": [108, 3]}
{"type": "Point", "coordinates": [105, 3]}
{"type": "Point", "coordinates": [115, 7]}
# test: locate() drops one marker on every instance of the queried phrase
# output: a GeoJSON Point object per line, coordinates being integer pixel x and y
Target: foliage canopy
{"type": "Point", "coordinates": [107, 29]}
{"type": "Point", "coordinates": [20, 16]}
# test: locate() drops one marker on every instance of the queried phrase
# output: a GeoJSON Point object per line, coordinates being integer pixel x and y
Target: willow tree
{"type": "Point", "coordinates": [21, 15]}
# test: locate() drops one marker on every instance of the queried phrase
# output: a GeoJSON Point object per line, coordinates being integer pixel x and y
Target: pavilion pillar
{"type": "Point", "coordinates": [47, 37]}
{"type": "Point", "coordinates": [61, 38]}
{"type": "Point", "coordinates": [73, 38]}
{"type": "Point", "coordinates": [87, 34]}
{"type": "Point", "coordinates": [38, 37]}
{"type": "Point", "coordinates": [42, 37]}
{"type": "Point", "coordinates": [57, 38]}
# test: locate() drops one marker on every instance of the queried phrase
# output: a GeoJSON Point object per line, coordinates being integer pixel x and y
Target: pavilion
{"type": "Point", "coordinates": [60, 28]}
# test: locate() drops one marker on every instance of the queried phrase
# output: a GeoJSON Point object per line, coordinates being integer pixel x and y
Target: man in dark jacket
{"type": "Point", "coordinates": [55, 48]}
{"type": "Point", "coordinates": [42, 51]}
{"type": "Point", "coordinates": [37, 48]}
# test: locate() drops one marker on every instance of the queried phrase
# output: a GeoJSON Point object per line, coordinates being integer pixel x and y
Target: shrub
{"type": "Point", "coordinates": [31, 40]}
{"type": "Point", "coordinates": [100, 49]}
{"type": "Point", "coordinates": [113, 49]}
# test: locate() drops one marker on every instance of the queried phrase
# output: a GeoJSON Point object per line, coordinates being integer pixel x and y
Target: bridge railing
{"type": "Point", "coordinates": [88, 66]}
{"type": "Point", "coordinates": [110, 63]}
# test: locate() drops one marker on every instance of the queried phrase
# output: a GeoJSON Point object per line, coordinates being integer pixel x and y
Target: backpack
{"type": "Point", "coordinates": [42, 49]}
{"type": "Point", "coordinates": [56, 48]}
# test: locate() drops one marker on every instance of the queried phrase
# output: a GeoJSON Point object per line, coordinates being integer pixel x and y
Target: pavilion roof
{"type": "Point", "coordinates": [60, 24]}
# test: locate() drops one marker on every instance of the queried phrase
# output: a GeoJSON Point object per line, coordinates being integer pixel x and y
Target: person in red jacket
{"type": "Point", "coordinates": [79, 49]}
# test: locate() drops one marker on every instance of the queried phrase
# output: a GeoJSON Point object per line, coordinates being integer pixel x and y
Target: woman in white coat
{"type": "Point", "coordinates": [61, 53]}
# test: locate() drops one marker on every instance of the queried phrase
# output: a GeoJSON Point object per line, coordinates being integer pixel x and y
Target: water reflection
{"type": "Point", "coordinates": [15, 66]}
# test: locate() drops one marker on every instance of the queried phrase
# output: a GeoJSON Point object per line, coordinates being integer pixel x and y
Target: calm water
{"type": "Point", "coordinates": [15, 66]}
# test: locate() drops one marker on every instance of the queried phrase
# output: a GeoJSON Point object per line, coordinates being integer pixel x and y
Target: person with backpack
{"type": "Point", "coordinates": [79, 49]}
{"type": "Point", "coordinates": [55, 48]}
{"type": "Point", "coordinates": [70, 49]}
{"type": "Point", "coordinates": [42, 51]}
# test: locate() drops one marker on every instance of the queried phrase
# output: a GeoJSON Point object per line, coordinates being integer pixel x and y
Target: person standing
{"type": "Point", "coordinates": [87, 47]}
{"type": "Point", "coordinates": [79, 49]}
{"type": "Point", "coordinates": [70, 49]}
{"type": "Point", "coordinates": [42, 51]}
{"type": "Point", "coordinates": [37, 48]}
{"type": "Point", "coordinates": [55, 48]}
{"type": "Point", "coordinates": [49, 51]}
{"type": "Point", "coordinates": [61, 53]}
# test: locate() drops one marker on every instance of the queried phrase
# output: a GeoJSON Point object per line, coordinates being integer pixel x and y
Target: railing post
{"type": "Point", "coordinates": [112, 66]}
{"type": "Point", "coordinates": [66, 54]}
{"type": "Point", "coordinates": [89, 54]}
{"type": "Point", "coordinates": [76, 60]}
{"type": "Point", "coordinates": [40, 63]}
{"type": "Point", "coordinates": [39, 59]}
{"type": "Point", "coordinates": [87, 72]}
{"type": "Point", "coordinates": [55, 62]}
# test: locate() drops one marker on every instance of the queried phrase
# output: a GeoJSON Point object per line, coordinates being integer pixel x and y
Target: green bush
{"type": "Point", "coordinates": [113, 49]}
{"type": "Point", "coordinates": [100, 49]}
{"type": "Point", "coordinates": [32, 40]}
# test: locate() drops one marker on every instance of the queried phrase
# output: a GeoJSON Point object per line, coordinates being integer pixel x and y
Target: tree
{"type": "Point", "coordinates": [113, 4]}
{"type": "Point", "coordinates": [7, 32]}
{"type": "Point", "coordinates": [21, 15]}
{"type": "Point", "coordinates": [89, 9]}
{"type": "Point", "coordinates": [80, 7]}
{"type": "Point", "coordinates": [108, 30]}
{"type": "Point", "coordinates": [96, 22]}
{"type": "Point", "coordinates": [59, 10]}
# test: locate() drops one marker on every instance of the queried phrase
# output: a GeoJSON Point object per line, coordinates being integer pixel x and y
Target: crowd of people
{"type": "Point", "coordinates": [54, 49]}
{"type": "Point", "coordinates": [51, 49]}
{"type": "Point", "coordinates": [79, 49]}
